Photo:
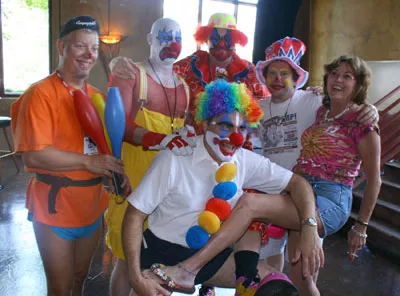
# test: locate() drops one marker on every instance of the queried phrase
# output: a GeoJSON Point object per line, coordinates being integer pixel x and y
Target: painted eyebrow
{"type": "Point", "coordinates": [225, 122]}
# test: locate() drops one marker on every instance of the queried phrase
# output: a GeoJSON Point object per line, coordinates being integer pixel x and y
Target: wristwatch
{"type": "Point", "coordinates": [310, 221]}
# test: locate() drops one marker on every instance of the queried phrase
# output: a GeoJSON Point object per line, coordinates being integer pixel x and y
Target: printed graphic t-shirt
{"type": "Point", "coordinates": [280, 135]}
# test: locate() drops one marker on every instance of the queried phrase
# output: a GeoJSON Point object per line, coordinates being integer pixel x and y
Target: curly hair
{"type": "Point", "coordinates": [202, 35]}
{"type": "Point", "coordinates": [222, 97]}
{"type": "Point", "coordinates": [362, 74]}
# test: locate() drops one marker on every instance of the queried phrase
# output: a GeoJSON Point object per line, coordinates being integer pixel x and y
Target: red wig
{"type": "Point", "coordinates": [203, 33]}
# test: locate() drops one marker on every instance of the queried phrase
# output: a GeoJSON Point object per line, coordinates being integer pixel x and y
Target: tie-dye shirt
{"type": "Point", "coordinates": [330, 148]}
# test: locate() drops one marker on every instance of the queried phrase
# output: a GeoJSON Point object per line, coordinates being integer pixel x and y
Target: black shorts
{"type": "Point", "coordinates": [164, 252]}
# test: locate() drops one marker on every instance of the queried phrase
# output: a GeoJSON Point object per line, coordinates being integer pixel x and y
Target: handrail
{"type": "Point", "coordinates": [384, 98]}
{"type": "Point", "coordinates": [390, 136]}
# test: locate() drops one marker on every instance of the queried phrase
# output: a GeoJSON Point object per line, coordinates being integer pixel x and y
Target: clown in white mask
{"type": "Point", "coordinates": [156, 102]}
{"type": "Point", "coordinates": [165, 41]}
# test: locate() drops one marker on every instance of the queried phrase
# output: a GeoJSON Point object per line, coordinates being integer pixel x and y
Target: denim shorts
{"type": "Point", "coordinates": [333, 201]}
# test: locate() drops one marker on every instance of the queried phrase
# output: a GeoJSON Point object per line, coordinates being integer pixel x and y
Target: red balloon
{"type": "Point", "coordinates": [90, 120]}
{"type": "Point", "coordinates": [219, 207]}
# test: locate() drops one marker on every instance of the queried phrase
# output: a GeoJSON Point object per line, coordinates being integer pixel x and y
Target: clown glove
{"type": "Point", "coordinates": [180, 146]}
{"type": "Point", "coordinates": [188, 133]}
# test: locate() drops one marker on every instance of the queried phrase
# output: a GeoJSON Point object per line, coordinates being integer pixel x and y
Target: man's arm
{"type": "Point", "coordinates": [132, 235]}
{"type": "Point", "coordinates": [302, 196]}
{"type": "Point", "coordinates": [368, 113]}
{"type": "Point", "coordinates": [53, 159]}
{"type": "Point", "coordinates": [309, 248]}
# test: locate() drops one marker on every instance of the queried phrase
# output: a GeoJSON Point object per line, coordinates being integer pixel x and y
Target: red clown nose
{"type": "Point", "coordinates": [175, 47]}
{"type": "Point", "coordinates": [236, 139]}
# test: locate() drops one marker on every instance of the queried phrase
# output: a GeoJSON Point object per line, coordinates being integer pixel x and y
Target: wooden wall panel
{"type": "Point", "coordinates": [130, 18]}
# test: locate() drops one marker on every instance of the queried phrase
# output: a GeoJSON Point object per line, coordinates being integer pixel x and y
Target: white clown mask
{"type": "Point", "coordinates": [165, 41]}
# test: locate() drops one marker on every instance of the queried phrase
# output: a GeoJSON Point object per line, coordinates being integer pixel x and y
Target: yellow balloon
{"type": "Point", "coordinates": [209, 221]}
{"type": "Point", "coordinates": [226, 173]}
{"type": "Point", "coordinates": [99, 104]}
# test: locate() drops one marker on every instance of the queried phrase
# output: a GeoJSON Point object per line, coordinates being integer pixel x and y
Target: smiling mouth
{"type": "Point", "coordinates": [226, 148]}
{"type": "Point", "coordinates": [84, 64]}
{"type": "Point", "coordinates": [277, 87]}
{"type": "Point", "coordinates": [337, 88]}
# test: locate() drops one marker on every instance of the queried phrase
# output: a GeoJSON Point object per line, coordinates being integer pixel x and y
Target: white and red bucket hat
{"type": "Point", "coordinates": [289, 50]}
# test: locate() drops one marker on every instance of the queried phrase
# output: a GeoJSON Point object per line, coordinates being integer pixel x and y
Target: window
{"type": "Point", "coordinates": [24, 44]}
{"type": "Point", "coordinates": [190, 13]}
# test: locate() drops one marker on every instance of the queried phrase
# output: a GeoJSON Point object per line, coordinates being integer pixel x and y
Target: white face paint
{"type": "Point", "coordinates": [213, 140]}
{"type": "Point", "coordinates": [237, 118]}
{"type": "Point", "coordinates": [219, 132]}
{"type": "Point", "coordinates": [165, 41]}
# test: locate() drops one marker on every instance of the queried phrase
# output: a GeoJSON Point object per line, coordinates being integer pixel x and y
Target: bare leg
{"type": "Point", "coordinates": [250, 241]}
{"type": "Point", "coordinates": [223, 278]}
{"type": "Point", "coordinates": [58, 257]}
{"type": "Point", "coordinates": [119, 285]}
{"type": "Point", "coordinates": [278, 209]}
{"type": "Point", "coordinates": [276, 261]}
{"type": "Point", "coordinates": [251, 206]}
{"type": "Point", "coordinates": [84, 251]}
{"type": "Point", "coordinates": [307, 286]}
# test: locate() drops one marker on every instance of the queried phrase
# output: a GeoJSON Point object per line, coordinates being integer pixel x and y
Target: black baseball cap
{"type": "Point", "coordinates": [78, 23]}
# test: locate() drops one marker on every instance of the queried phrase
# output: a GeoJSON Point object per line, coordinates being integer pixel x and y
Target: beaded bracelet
{"type": "Point", "coordinates": [358, 233]}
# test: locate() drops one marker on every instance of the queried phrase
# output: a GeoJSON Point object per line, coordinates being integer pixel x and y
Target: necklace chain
{"type": "Point", "coordinates": [171, 115]}
{"type": "Point", "coordinates": [326, 119]}
{"type": "Point", "coordinates": [70, 90]}
{"type": "Point", "coordinates": [287, 108]}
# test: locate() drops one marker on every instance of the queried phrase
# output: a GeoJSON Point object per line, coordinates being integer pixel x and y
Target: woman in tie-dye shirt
{"type": "Point", "coordinates": [334, 147]}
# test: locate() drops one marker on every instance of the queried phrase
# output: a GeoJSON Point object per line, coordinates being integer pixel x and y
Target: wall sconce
{"type": "Point", "coordinates": [109, 44]}
{"type": "Point", "coordinates": [110, 39]}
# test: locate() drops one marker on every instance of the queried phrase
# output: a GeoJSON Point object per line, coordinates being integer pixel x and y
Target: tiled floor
{"type": "Point", "coordinates": [21, 268]}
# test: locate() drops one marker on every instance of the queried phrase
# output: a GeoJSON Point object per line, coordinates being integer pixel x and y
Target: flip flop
{"type": "Point", "coordinates": [275, 284]}
{"type": "Point", "coordinates": [169, 283]}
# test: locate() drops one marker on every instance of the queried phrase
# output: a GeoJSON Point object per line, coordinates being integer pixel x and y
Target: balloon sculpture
{"type": "Point", "coordinates": [99, 104]}
{"type": "Point", "coordinates": [114, 115]}
{"type": "Point", "coordinates": [93, 127]}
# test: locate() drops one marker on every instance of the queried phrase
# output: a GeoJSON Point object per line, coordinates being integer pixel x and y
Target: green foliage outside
{"type": "Point", "coordinates": [42, 4]}
{"type": "Point", "coordinates": [25, 28]}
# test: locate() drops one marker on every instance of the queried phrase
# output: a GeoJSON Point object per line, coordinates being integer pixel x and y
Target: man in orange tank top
{"type": "Point", "coordinates": [65, 197]}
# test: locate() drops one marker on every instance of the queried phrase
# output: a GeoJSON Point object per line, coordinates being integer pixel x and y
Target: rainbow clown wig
{"type": "Point", "coordinates": [222, 97]}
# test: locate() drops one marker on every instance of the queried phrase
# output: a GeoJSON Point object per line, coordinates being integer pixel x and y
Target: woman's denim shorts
{"type": "Point", "coordinates": [333, 201]}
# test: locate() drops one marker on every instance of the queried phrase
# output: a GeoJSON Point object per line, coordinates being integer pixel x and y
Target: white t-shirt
{"type": "Point", "coordinates": [175, 189]}
{"type": "Point", "coordinates": [281, 136]}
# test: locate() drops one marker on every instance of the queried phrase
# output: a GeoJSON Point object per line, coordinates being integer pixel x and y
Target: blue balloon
{"type": "Point", "coordinates": [225, 190]}
{"type": "Point", "coordinates": [196, 237]}
{"type": "Point", "coordinates": [114, 116]}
